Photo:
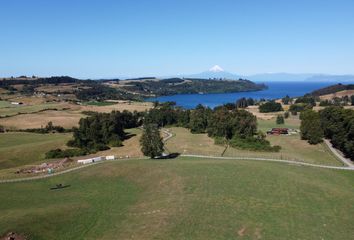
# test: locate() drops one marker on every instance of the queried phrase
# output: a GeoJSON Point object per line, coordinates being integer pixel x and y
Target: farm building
{"type": "Point", "coordinates": [90, 160]}
{"type": "Point", "coordinates": [110, 157]}
{"type": "Point", "coordinates": [278, 131]}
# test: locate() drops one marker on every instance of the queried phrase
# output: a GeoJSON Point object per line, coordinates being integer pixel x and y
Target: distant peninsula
{"type": "Point", "coordinates": [116, 89]}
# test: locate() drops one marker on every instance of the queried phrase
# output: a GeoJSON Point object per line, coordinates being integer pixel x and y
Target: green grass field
{"type": "Point", "coordinates": [17, 149]}
{"type": "Point", "coordinates": [95, 103]}
{"type": "Point", "coordinates": [292, 122]}
{"type": "Point", "coordinates": [6, 109]}
{"type": "Point", "coordinates": [183, 198]}
{"type": "Point", "coordinates": [5, 104]}
{"type": "Point", "coordinates": [292, 147]}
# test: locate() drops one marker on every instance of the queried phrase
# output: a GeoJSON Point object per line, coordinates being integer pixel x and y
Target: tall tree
{"type": "Point", "coordinates": [242, 103]}
{"type": "Point", "coordinates": [286, 100]}
{"type": "Point", "coordinates": [280, 119]}
{"type": "Point", "coordinates": [199, 119]}
{"type": "Point", "coordinates": [151, 141]}
{"type": "Point", "coordinates": [310, 127]}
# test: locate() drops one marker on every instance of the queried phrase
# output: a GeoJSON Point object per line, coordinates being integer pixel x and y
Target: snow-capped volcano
{"type": "Point", "coordinates": [216, 68]}
{"type": "Point", "coordinates": [216, 72]}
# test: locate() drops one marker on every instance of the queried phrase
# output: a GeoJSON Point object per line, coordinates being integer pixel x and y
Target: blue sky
{"type": "Point", "coordinates": [93, 39]}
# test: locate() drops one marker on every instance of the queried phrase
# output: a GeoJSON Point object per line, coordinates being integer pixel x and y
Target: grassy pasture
{"type": "Point", "coordinates": [16, 109]}
{"type": "Point", "coordinates": [292, 122]}
{"type": "Point", "coordinates": [17, 149]}
{"type": "Point", "coordinates": [184, 198]}
{"type": "Point", "coordinates": [185, 142]}
{"type": "Point", "coordinates": [293, 148]}
{"type": "Point", "coordinates": [23, 149]}
{"type": "Point", "coordinates": [67, 116]}
{"type": "Point", "coordinates": [5, 104]}
{"type": "Point", "coordinates": [131, 147]}
{"type": "Point", "coordinates": [64, 118]}
{"type": "Point", "coordinates": [99, 104]}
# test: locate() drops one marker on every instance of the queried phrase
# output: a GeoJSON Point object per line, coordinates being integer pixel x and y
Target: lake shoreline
{"type": "Point", "coordinates": [274, 90]}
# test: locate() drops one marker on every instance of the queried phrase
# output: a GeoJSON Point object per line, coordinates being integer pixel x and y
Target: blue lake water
{"type": "Point", "coordinates": [275, 90]}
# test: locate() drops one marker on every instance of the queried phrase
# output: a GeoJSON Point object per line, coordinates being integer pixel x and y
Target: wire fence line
{"type": "Point", "coordinates": [14, 180]}
{"type": "Point", "coordinates": [270, 160]}
{"type": "Point", "coordinates": [276, 158]}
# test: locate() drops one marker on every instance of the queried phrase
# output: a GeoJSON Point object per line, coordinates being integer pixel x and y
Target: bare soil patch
{"type": "Point", "coordinates": [13, 236]}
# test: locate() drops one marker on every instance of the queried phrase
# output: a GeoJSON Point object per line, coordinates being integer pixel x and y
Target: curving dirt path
{"type": "Point", "coordinates": [346, 161]}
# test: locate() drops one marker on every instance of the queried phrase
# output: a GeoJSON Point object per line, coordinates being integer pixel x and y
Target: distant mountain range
{"type": "Point", "coordinates": [216, 72]}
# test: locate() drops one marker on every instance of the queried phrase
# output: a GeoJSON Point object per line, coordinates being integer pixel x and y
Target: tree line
{"type": "Point", "coordinates": [334, 123]}
{"type": "Point", "coordinates": [225, 124]}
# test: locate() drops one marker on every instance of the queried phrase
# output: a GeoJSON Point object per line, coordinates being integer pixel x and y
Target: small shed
{"type": "Point", "coordinates": [110, 157]}
{"type": "Point", "coordinates": [85, 161]}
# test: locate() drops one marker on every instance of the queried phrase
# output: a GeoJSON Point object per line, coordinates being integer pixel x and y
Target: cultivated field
{"type": "Point", "coordinates": [183, 198]}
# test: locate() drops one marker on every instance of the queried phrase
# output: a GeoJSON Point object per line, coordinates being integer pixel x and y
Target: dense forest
{"type": "Point", "coordinates": [334, 123]}
{"type": "Point", "coordinates": [101, 130]}
{"type": "Point", "coordinates": [191, 86]}
{"type": "Point", "coordinates": [100, 92]}
{"type": "Point", "coordinates": [37, 81]}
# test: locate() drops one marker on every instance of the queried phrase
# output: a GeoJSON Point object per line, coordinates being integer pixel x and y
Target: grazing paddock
{"type": "Point", "coordinates": [185, 142]}
{"type": "Point", "coordinates": [12, 110]}
{"type": "Point", "coordinates": [5, 104]}
{"type": "Point", "coordinates": [131, 147]}
{"type": "Point", "coordinates": [18, 149]}
{"type": "Point", "coordinates": [293, 148]}
{"type": "Point", "coordinates": [63, 87]}
{"type": "Point", "coordinates": [264, 116]}
{"type": "Point", "coordinates": [292, 122]}
{"type": "Point", "coordinates": [184, 198]}
{"type": "Point", "coordinates": [121, 106]}
{"type": "Point", "coordinates": [64, 118]}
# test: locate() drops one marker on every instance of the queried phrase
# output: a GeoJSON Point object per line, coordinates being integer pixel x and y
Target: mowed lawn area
{"type": "Point", "coordinates": [17, 149]}
{"type": "Point", "coordinates": [183, 198]}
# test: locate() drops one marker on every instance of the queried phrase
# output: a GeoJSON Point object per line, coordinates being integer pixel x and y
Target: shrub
{"type": "Point", "coordinates": [280, 119]}
{"type": "Point", "coordinates": [270, 107]}
{"type": "Point", "coordinates": [115, 143]}
{"type": "Point", "coordinates": [58, 153]}
{"type": "Point", "coordinates": [253, 143]}
{"type": "Point", "coordinates": [299, 107]}
{"type": "Point", "coordinates": [220, 141]}
{"type": "Point", "coordinates": [286, 114]}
